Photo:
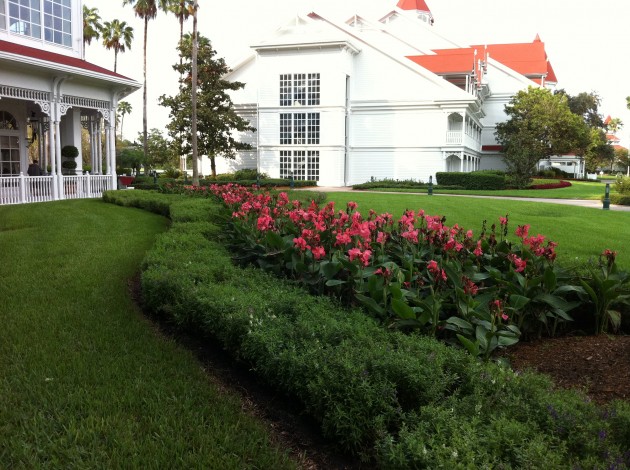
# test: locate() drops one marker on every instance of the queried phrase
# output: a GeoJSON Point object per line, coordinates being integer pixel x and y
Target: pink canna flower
{"type": "Point", "coordinates": [352, 205]}
{"type": "Point", "coordinates": [300, 244]}
{"type": "Point", "coordinates": [519, 263]}
{"type": "Point", "coordinates": [411, 235]}
{"type": "Point", "coordinates": [318, 252]}
{"type": "Point", "coordinates": [522, 231]}
{"type": "Point", "coordinates": [478, 251]}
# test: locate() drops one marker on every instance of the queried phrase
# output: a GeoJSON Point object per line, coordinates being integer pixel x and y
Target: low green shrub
{"type": "Point", "coordinates": [619, 199]}
{"type": "Point", "coordinates": [622, 185]}
{"type": "Point", "coordinates": [405, 401]}
{"type": "Point", "coordinates": [390, 183]}
{"type": "Point", "coordinates": [480, 180]}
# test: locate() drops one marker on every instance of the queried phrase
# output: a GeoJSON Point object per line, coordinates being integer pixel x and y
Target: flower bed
{"type": "Point", "coordinates": [560, 184]}
{"type": "Point", "coordinates": [417, 273]}
{"type": "Point", "coordinates": [401, 401]}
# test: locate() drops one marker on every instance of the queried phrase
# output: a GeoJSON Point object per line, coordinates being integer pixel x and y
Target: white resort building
{"type": "Point", "coordinates": [48, 94]}
{"type": "Point", "coordinates": [342, 102]}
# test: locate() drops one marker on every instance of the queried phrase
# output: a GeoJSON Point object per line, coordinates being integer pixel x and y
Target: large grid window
{"type": "Point", "coordinates": [301, 164]}
{"type": "Point", "coordinates": [24, 17]}
{"type": "Point", "coordinates": [300, 89]}
{"type": "Point", "coordinates": [57, 22]}
{"type": "Point", "coordinates": [299, 128]}
{"type": "Point", "coordinates": [9, 155]}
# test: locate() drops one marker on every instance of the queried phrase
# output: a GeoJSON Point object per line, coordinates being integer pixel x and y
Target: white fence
{"type": "Point", "coordinates": [24, 189]}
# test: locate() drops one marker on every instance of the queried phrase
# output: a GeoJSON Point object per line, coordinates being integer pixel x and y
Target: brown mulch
{"type": "Point", "coordinates": [598, 365]}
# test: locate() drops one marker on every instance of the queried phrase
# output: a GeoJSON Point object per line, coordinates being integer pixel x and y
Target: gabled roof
{"type": "Point", "coordinates": [419, 5]}
{"type": "Point", "coordinates": [529, 59]}
{"type": "Point", "coordinates": [52, 58]}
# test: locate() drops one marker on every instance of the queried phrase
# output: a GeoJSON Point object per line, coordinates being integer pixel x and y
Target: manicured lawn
{"type": "Point", "coordinates": [577, 190]}
{"type": "Point", "coordinates": [86, 381]}
{"type": "Point", "coordinates": [581, 232]}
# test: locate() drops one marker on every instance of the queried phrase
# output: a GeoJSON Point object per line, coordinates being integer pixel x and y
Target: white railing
{"type": "Point", "coordinates": [24, 189]}
{"type": "Point", "coordinates": [454, 137]}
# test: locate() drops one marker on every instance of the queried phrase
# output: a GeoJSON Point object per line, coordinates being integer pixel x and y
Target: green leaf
{"type": "Point", "coordinates": [275, 241]}
{"type": "Point", "coordinates": [403, 310]}
{"type": "Point", "coordinates": [517, 302]}
{"type": "Point", "coordinates": [460, 324]}
{"type": "Point", "coordinates": [370, 304]}
{"type": "Point", "coordinates": [334, 282]}
{"type": "Point", "coordinates": [330, 269]}
{"type": "Point", "coordinates": [550, 279]}
{"type": "Point", "coordinates": [473, 348]}
{"type": "Point", "coordinates": [615, 318]}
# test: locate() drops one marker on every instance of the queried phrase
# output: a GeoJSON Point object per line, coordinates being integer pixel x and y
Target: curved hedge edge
{"type": "Point", "coordinates": [408, 401]}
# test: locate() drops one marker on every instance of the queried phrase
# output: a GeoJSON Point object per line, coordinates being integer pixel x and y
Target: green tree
{"type": "Point", "coordinates": [614, 125]}
{"type": "Point", "coordinates": [599, 153]}
{"type": "Point", "coordinates": [216, 118]}
{"type": "Point", "coordinates": [91, 24]}
{"type": "Point", "coordinates": [124, 108]}
{"type": "Point", "coordinates": [540, 124]}
{"type": "Point", "coordinates": [161, 153]}
{"type": "Point", "coordinates": [147, 10]}
{"type": "Point", "coordinates": [585, 105]}
{"type": "Point", "coordinates": [130, 156]}
{"type": "Point", "coordinates": [117, 35]}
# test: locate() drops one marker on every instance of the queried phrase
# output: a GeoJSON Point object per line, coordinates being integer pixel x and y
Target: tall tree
{"type": "Point", "coordinates": [161, 153]}
{"type": "Point", "coordinates": [540, 124]}
{"type": "Point", "coordinates": [91, 24]}
{"type": "Point", "coordinates": [147, 10]}
{"type": "Point", "coordinates": [124, 108]}
{"type": "Point", "coordinates": [117, 35]}
{"type": "Point", "coordinates": [585, 105]}
{"type": "Point", "coordinates": [216, 119]}
{"type": "Point", "coordinates": [628, 102]}
{"type": "Point", "coordinates": [193, 97]}
{"type": "Point", "coordinates": [614, 125]}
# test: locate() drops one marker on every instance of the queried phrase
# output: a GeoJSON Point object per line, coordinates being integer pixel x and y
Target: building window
{"type": "Point", "coordinates": [299, 128]}
{"type": "Point", "coordinates": [24, 17]}
{"type": "Point", "coordinates": [301, 164]}
{"type": "Point", "coordinates": [300, 89]}
{"type": "Point", "coordinates": [3, 17]}
{"type": "Point", "coordinates": [9, 155]}
{"type": "Point", "coordinates": [57, 22]}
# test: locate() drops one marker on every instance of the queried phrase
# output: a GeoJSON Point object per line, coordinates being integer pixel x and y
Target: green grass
{"type": "Point", "coordinates": [86, 381]}
{"type": "Point", "coordinates": [577, 190]}
{"type": "Point", "coordinates": [581, 232]}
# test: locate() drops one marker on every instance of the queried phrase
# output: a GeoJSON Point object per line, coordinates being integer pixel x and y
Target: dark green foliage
{"type": "Point", "coordinates": [390, 183]}
{"type": "Point", "coordinates": [70, 151]}
{"type": "Point", "coordinates": [485, 180]}
{"type": "Point", "coordinates": [405, 401]}
{"type": "Point", "coordinates": [620, 199]}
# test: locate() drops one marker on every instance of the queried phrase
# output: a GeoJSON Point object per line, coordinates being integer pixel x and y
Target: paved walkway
{"type": "Point", "coordinates": [568, 202]}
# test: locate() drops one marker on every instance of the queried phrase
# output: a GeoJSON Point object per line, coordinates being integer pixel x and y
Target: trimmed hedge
{"type": "Point", "coordinates": [482, 180]}
{"type": "Point", "coordinates": [148, 184]}
{"type": "Point", "coordinates": [402, 401]}
{"type": "Point", "coordinates": [560, 184]}
{"type": "Point", "coordinates": [620, 199]}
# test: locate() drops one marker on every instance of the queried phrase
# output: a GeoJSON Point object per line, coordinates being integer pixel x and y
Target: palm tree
{"type": "Point", "coordinates": [614, 125]}
{"type": "Point", "coordinates": [123, 108]}
{"type": "Point", "coordinates": [91, 25]}
{"type": "Point", "coordinates": [147, 10]}
{"type": "Point", "coordinates": [195, 44]}
{"type": "Point", "coordinates": [182, 9]}
{"type": "Point", "coordinates": [118, 36]}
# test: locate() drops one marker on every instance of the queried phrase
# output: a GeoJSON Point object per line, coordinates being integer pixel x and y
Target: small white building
{"type": "Point", "coordinates": [48, 93]}
{"type": "Point", "coordinates": [341, 102]}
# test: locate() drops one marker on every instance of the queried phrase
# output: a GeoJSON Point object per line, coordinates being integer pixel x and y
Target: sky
{"type": "Point", "coordinates": [587, 42]}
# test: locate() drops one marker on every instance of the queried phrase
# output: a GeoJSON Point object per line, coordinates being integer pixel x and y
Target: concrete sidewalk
{"type": "Point", "coordinates": [567, 202]}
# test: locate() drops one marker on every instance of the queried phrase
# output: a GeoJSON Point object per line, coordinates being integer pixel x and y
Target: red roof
{"type": "Point", "coordinates": [447, 61]}
{"type": "Point", "coordinates": [419, 5]}
{"type": "Point", "coordinates": [54, 58]}
{"type": "Point", "coordinates": [529, 59]}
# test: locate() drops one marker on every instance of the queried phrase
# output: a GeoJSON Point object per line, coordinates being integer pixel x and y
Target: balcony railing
{"type": "Point", "coordinates": [454, 137]}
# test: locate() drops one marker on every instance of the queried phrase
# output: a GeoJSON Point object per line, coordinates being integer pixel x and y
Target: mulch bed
{"type": "Point", "coordinates": [598, 365]}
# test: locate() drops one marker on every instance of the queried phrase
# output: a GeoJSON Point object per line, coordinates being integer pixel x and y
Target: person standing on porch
{"type": "Point", "coordinates": [34, 169]}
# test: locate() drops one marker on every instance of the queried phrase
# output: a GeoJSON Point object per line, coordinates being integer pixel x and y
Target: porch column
{"type": "Point", "coordinates": [461, 163]}
{"type": "Point", "coordinates": [99, 145]}
{"type": "Point", "coordinates": [57, 143]}
{"type": "Point", "coordinates": [92, 145]}
{"type": "Point", "coordinates": [52, 158]}
{"type": "Point", "coordinates": [112, 152]}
